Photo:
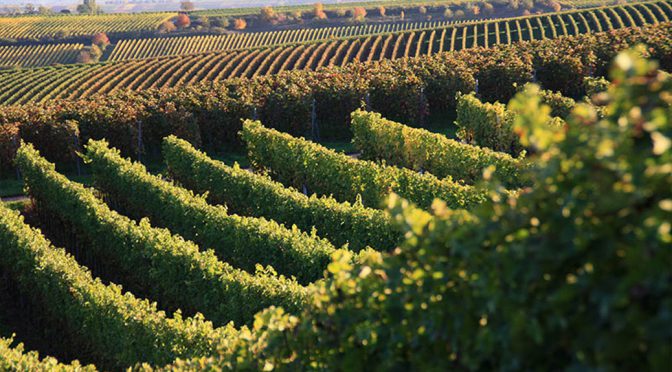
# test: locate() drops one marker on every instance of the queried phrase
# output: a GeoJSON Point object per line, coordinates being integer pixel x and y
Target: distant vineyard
{"type": "Point", "coordinates": [157, 47]}
{"type": "Point", "coordinates": [37, 85]}
{"type": "Point", "coordinates": [36, 27]}
{"type": "Point", "coordinates": [38, 55]}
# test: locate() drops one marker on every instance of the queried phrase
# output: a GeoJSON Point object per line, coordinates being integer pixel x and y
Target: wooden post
{"type": "Point", "coordinates": [314, 128]}
{"type": "Point", "coordinates": [79, 167]}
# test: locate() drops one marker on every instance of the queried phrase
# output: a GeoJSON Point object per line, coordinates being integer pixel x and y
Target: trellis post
{"type": "Point", "coordinates": [74, 155]}
{"type": "Point", "coordinates": [314, 127]}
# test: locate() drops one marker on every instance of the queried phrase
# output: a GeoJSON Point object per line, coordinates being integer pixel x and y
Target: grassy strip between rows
{"type": "Point", "coordinates": [119, 328]}
{"type": "Point", "coordinates": [297, 162]}
{"type": "Point", "coordinates": [166, 266]}
{"type": "Point", "coordinates": [244, 242]}
{"type": "Point", "coordinates": [251, 194]}
{"type": "Point", "coordinates": [381, 139]}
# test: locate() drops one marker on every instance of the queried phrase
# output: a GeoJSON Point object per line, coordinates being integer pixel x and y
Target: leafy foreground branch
{"type": "Point", "coordinates": [574, 273]}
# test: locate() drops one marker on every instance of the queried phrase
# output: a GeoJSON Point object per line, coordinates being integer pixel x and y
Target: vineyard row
{"type": "Point", "coordinates": [72, 82]}
{"type": "Point", "coordinates": [36, 27]}
{"type": "Point", "coordinates": [167, 46]}
{"type": "Point", "coordinates": [38, 55]}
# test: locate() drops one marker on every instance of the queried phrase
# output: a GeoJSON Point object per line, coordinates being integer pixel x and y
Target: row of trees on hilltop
{"type": "Point", "coordinates": [270, 17]}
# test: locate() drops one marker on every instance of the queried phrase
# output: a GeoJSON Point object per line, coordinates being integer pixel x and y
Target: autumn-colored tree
{"type": "Point", "coordinates": [187, 6]}
{"type": "Point", "coordinates": [318, 11]}
{"type": "Point", "coordinates": [448, 14]}
{"type": "Point", "coordinates": [340, 12]}
{"type": "Point", "coordinates": [474, 10]}
{"type": "Point", "coordinates": [101, 40]}
{"type": "Point", "coordinates": [381, 11]}
{"type": "Point", "coordinates": [182, 21]}
{"type": "Point", "coordinates": [402, 15]}
{"type": "Point", "coordinates": [422, 10]}
{"type": "Point", "coordinates": [488, 9]}
{"type": "Point", "coordinates": [239, 24]}
{"type": "Point", "coordinates": [359, 13]}
{"type": "Point", "coordinates": [459, 14]}
{"type": "Point", "coordinates": [555, 6]}
{"type": "Point", "coordinates": [268, 14]}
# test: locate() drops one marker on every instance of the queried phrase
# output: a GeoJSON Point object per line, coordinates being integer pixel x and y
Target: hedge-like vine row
{"type": "Point", "coordinates": [120, 329]}
{"type": "Point", "coordinates": [170, 71]}
{"type": "Point", "coordinates": [244, 242]}
{"type": "Point", "coordinates": [490, 125]}
{"type": "Point", "coordinates": [252, 194]}
{"type": "Point", "coordinates": [300, 163]}
{"type": "Point", "coordinates": [169, 268]}
{"type": "Point", "coordinates": [15, 358]}
{"type": "Point", "coordinates": [397, 144]}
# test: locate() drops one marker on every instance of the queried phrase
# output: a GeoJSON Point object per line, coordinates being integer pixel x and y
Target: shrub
{"type": "Point", "coordinates": [359, 14]}
{"type": "Point", "coordinates": [239, 24]}
{"type": "Point", "coordinates": [267, 13]}
{"type": "Point", "coordinates": [318, 11]}
{"type": "Point", "coordinates": [182, 21]}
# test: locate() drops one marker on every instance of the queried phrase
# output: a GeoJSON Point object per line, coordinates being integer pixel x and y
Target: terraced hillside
{"type": "Point", "coordinates": [156, 47]}
{"type": "Point", "coordinates": [36, 85]}
{"type": "Point", "coordinates": [37, 27]}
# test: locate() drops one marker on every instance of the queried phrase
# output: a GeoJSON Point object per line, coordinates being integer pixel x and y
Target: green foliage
{"type": "Point", "coordinates": [492, 125]}
{"type": "Point", "coordinates": [118, 328]}
{"type": "Point", "coordinates": [250, 194]}
{"type": "Point", "coordinates": [297, 162]}
{"type": "Point", "coordinates": [595, 85]}
{"type": "Point", "coordinates": [560, 105]}
{"type": "Point", "coordinates": [571, 275]}
{"type": "Point", "coordinates": [486, 125]}
{"type": "Point", "coordinates": [17, 359]}
{"type": "Point", "coordinates": [244, 242]}
{"type": "Point", "coordinates": [419, 149]}
{"type": "Point", "coordinates": [166, 266]}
